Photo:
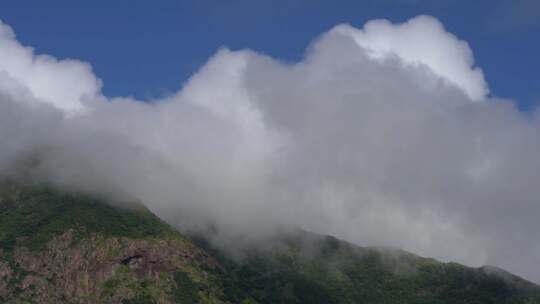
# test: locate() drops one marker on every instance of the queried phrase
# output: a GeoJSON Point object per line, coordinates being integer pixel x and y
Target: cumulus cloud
{"type": "Point", "coordinates": [423, 41]}
{"type": "Point", "coordinates": [64, 84]}
{"type": "Point", "coordinates": [383, 135]}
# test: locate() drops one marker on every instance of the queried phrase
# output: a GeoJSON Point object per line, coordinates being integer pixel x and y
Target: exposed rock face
{"type": "Point", "coordinates": [58, 247]}
{"type": "Point", "coordinates": [103, 270]}
{"type": "Point", "coordinates": [5, 276]}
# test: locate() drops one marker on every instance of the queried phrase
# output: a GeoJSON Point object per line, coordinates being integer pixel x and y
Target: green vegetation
{"type": "Point", "coordinates": [141, 298]}
{"type": "Point", "coordinates": [332, 271]}
{"type": "Point", "coordinates": [31, 216]}
{"type": "Point", "coordinates": [185, 291]}
{"type": "Point", "coordinates": [301, 268]}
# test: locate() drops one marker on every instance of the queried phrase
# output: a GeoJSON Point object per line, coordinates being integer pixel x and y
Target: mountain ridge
{"type": "Point", "coordinates": [61, 247]}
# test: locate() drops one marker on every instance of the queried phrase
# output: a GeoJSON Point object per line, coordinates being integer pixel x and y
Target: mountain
{"type": "Point", "coordinates": [58, 247]}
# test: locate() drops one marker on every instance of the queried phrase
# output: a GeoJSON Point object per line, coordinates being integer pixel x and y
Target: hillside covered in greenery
{"type": "Point", "coordinates": [58, 247]}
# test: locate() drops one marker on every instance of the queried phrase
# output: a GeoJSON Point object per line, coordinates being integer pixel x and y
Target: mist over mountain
{"type": "Point", "coordinates": [384, 135]}
{"type": "Point", "coordinates": [62, 247]}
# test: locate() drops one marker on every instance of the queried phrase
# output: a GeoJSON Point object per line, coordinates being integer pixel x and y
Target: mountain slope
{"type": "Point", "coordinates": [317, 269]}
{"type": "Point", "coordinates": [58, 247]}
{"type": "Point", "coordinates": [64, 248]}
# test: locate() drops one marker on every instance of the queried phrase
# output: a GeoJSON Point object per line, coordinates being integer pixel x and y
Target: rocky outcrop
{"type": "Point", "coordinates": [101, 269]}
{"type": "Point", "coordinates": [5, 277]}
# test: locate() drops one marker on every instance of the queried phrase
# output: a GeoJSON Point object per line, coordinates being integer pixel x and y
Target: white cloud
{"type": "Point", "coordinates": [423, 40]}
{"type": "Point", "coordinates": [63, 83]}
{"type": "Point", "coordinates": [343, 142]}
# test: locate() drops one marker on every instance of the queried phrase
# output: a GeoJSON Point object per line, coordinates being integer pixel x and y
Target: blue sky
{"type": "Point", "coordinates": [149, 48]}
